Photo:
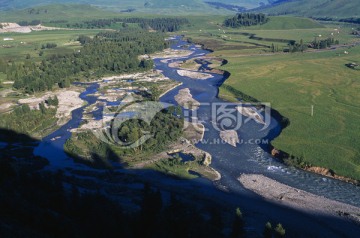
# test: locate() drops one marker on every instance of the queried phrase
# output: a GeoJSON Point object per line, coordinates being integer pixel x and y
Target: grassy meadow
{"type": "Point", "coordinates": [30, 43]}
{"type": "Point", "coordinates": [292, 83]}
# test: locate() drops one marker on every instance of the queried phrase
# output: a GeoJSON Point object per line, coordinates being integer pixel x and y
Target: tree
{"type": "Point", "coordinates": [267, 233]}
{"type": "Point", "coordinates": [279, 231]}
{"type": "Point", "coordinates": [238, 225]}
{"type": "Point", "coordinates": [42, 107]}
{"type": "Point", "coordinates": [272, 48]}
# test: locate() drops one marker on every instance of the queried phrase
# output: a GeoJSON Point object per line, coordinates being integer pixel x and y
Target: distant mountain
{"type": "Point", "coordinates": [248, 4]}
{"type": "Point", "coordinates": [153, 6]}
{"type": "Point", "coordinates": [314, 8]}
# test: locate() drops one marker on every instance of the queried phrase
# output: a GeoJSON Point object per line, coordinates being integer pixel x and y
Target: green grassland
{"type": "Point", "coordinates": [292, 83]}
{"type": "Point", "coordinates": [258, 39]}
{"type": "Point", "coordinates": [30, 43]}
{"type": "Point", "coordinates": [70, 12]}
{"type": "Point", "coordinates": [329, 8]}
{"type": "Point", "coordinates": [153, 7]}
{"type": "Point", "coordinates": [286, 23]}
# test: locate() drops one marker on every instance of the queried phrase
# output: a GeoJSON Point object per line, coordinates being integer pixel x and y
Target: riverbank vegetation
{"type": "Point", "coordinates": [165, 127]}
{"type": "Point", "coordinates": [30, 122]}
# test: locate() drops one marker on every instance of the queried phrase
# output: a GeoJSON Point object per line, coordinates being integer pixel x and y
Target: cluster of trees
{"type": "Point", "coordinates": [29, 23]}
{"type": "Point", "coordinates": [158, 24]}
{"type": "Point", "coordinates": [27, 121]}
{"type": "Point", "coordinates": [353, 20]}
{"type": "Point", "coordinates": [270, 232]}
{"type": "Point", "coordinates": [246, 19]}
{"type": "Point", "coordinates": [323, 44]}
{"type": "Point", "coordinates": [297, 47]}
{"type": "Point", "coordinates": [32, 11]}
{"type": "Point", "coordinates": [107, 52]}
{"type": "Point", "coordinates": [166, 127]}
{"type": "Point", "coordinates": [48, 46]}
{"type": "Point", "coordinates": [52, 101]}
{"type": "Point", "coordinates": [58, 21]}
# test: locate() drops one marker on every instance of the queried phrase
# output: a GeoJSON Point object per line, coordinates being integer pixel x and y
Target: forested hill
{"type": "Point", "coordinates": [315, 8]}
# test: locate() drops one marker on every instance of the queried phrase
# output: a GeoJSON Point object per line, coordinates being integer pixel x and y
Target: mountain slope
{"type": "Point", "coordinates": [316, 8]}
{"type": "Point", "coordinates": [152, 6]}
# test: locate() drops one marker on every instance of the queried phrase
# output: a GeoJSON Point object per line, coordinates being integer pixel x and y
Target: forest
{"type": "Point", "coordinates": [246, 19]}
{"type": "Point", "coordinates": [107, 53]}
{"type": "Point", "coordinates": [158, 24]}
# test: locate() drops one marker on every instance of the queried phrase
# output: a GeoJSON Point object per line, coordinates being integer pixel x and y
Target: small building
{"type": "Point", "coordinates": [8, 39]}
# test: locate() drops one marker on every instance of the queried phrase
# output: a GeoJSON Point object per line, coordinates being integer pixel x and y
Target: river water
{"type": "Point", "coordinates": [231, 162]}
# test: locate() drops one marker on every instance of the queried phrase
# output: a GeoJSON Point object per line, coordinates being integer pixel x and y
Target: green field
{"type": "Point", "coordinates": [292, 83]}
{"type": "Point", "coordinates": [31, 43]}
{"type": "Point", "coordinates": [324, 8]}
{"type": "Point", "coordinates": [286, 23]}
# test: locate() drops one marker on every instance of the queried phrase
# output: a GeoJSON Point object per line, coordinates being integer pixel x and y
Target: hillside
{"type": "Point", "coordinates": [149, 6]}
{"type": "Point", "coordinates": [70, 12]}
{"type": "Point", "coordinates": [316, 8]}
{"type": "Point", "coordinates": [287, 23]}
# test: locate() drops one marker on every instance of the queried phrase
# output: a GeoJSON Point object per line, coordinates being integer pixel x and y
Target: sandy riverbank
{"type": "Point", "coordinates": [194, 75]}
{"type": "Point", "coordinates": [298, 199]}
{"type": "Point", "coordinates": [185, 99]}
{"type": "Point", "coordinates": [69, 101]}
{"type": "Point", "coordinates": [250, 112]}
{"type": "Point", "coordinates": [230, 136]}
{"type": "Point", "coordinates": [179, 84]}
{"type": "Point", "coordinates": [14, 27]}
{"type": "Point", "coordinates": [169, 53]}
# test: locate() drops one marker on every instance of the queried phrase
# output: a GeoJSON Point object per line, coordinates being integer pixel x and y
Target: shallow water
{"type": "Point", "coordinates": [249, 157]}
{"type": "Point", "coordinates": [231, 162]}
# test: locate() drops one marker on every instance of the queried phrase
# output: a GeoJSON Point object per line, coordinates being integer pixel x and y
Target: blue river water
{"type": "Point", "coordinates": [231, 162]}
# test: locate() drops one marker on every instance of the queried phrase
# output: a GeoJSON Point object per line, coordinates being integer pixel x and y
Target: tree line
{"type": "Point", "coordinates": [246, 19]}
{"type": "Point", "coordinates": [323, 44]}
{"type": "Point", "coordinates": [29, 23]}
{"type": "Point", "coordinates": [159, 24]}
{"type": "Point", "coordinates": [107, 52]}
{"type": "Point", "coordinates": [301, 46]}
{"type": "Point", "coordinates": [353, 20]}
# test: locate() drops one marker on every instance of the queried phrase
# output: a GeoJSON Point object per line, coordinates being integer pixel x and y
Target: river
{"type": "Point", "coordinates": [230, 161]}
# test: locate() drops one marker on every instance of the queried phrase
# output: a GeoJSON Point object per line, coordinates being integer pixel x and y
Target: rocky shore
{"type": "Point", "coordinates": [298, 199]}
